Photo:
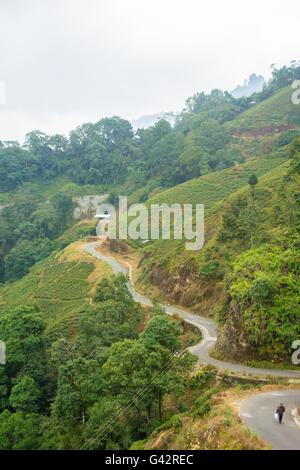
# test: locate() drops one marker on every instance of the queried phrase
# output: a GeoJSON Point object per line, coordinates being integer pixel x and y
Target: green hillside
{"type": "Point", "coordinates": [241, 225]}
{"type": "Point", "coordinates": [276, 113]}
{"type": "Point", "coordinates": [172, 253]}
{"type": "Point", "coordinates": [60, 287]}
{"type": "Point", "coordinates": [216, 186]}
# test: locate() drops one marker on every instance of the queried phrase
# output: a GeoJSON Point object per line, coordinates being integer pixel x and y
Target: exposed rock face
{"type": "Point", "coordinates": [233, 341]}
{"type": "Point", "coordinates": [117, 246]}
{"type": "Point", "coordinates": [261, 131]}
{"type": "Point", "coordinates": [184, 287]}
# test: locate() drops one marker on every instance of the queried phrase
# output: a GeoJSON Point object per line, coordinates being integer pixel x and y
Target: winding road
{"type": "Point", "coordinates": [258, 410]}
{"type": "Point", "coordinates": [207, 327]}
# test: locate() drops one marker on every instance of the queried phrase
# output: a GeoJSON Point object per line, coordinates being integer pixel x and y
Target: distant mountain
{"type": "Point", "coordinates": [150, 119]}
{"type": "Point", "coordinates": [254, 84]}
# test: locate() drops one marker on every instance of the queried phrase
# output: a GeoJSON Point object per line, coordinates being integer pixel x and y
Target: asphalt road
{"type": "Point", "coordinates": [207, 327]}
{"type": "Point", "coordinates": [257, 412]}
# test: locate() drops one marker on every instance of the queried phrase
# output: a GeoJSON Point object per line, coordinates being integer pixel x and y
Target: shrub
{"type": "Point", "coordinates": [202, 405]}
{"type": "Point", "coordinates": [138, 445]}
{"type": "Point", "coordinates": [200, 379]}
{"type": "Point", "coordinates": [262, 288]}
{"type": "Point", "coordinates": [286, 137]}
{"type": "Point", "coordinates": [211, 270]}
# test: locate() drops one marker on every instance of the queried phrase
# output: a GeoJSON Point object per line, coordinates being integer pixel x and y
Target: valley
{"type": "Point", "coordinates": [117, 344]}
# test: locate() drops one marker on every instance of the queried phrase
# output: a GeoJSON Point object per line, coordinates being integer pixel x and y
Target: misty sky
{"type": "Point", "coordinates": [65, 62]}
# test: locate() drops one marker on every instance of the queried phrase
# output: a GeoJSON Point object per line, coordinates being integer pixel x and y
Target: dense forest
{"type": "Point", "coordinates": [91, 377]}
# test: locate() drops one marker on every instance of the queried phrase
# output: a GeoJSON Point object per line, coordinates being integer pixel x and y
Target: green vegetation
{"type": "Point", "coordinates": [212, 188]}
{"type": "Point", "coordinates": [87, 367]}
{"type": "Point", "coordinates": [60, 287]}
{"type": "Point", "coordinates": [89, 377]}
{"type": "Point", "coordinates": [28, 227]}
{"type": "Point", "coordinates": [258, 223]}
{"type": "Point", "coordinates": [43, 175]}
{"type": "Point", "coordinates": [278, 110]}
{"type": "Point", "coordinates": [265, 288]}
{"type": "Point", "coordinates": [109, 154]}
{"type": "Point", "coordinates": [212, 424]}
{"type": "Point", "coordinates": [263, 282]}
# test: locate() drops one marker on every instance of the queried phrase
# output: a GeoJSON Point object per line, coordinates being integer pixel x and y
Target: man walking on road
{"type": "Point", "coordinates": [280, 410]}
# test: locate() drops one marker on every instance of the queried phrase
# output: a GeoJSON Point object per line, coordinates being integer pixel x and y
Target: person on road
{"type": "Point", "coordinates": [280, 410]}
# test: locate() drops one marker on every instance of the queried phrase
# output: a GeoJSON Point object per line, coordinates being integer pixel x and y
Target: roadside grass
{"type": "Point", "coordinates": [79, 231]}
{"type": "Point", "coordinates": [256, 363]}
{"type": "Point", "coordinates": [217, 427]}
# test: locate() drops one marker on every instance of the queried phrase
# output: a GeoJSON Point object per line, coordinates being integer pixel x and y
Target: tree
{"type": "Point", "coordinates": [24, 255]}
{"type": "Point", "coordinates": [79, 386]}
{"type": "Point", "coordinates": [163, 156]}
{"type": "Point", "coordinates": [157, 309]}
{"type": "Point", "coordinates": [264, 288]}
{"type": "Point", "coordinates": [25, 231]}
{"type": "Point", "coordinates": [240, 221]}
{"type": "Point", "coordinates": [210, 136]}
{"type": "Point", "coordinates": [22, 330]}
{"type": "Point", "coordinates": [183, 364]}
{"type": "Point", "coordinates": [105, 324]}
{"type": "Point", "coordinates": [193, 162]}
{"type": "Point", "coordinates": [46, 220]}
{"type": "Point", "coordinates": [253, 180]}
{"type": "Point", "coordinates": [106, 428]}
{"type": "Point", "coordinates": [248, 223]}
{"type": "Point", "coordinates": [115, 289]}
{"type": "Point", "coordinates": [294, 154]}
{"type": "Point", "coordinates": [19, 431]}
{"type": "Point", "coordinates": [127, 377]}
{"type": "Point", "coordinates": [64, 207]}
{"type": "Point", "coordinates": [161, 337]}
{"type": "Point", "coordinates": [113, 199]}
{"type": "Point", "coordinates": [162, 334]}
{"type": "Point", "coordinates": [25, 396]}
{"type": "Point", "coordinates": [3, 388]}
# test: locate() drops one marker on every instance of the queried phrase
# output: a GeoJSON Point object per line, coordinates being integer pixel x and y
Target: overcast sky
{"type": "Point", "coordinates": [65, 62]}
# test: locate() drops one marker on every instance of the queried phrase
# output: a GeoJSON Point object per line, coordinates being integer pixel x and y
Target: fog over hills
{"type": "Point", "coordinates": [150, 119]}
{"type": "Point", "coordinates": [254, 84]}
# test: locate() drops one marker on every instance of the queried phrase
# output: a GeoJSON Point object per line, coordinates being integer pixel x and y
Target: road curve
{"type": "Point", "coordinates": [257, 412]}
{"type": "Point", "coordinates": [207, 327]}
